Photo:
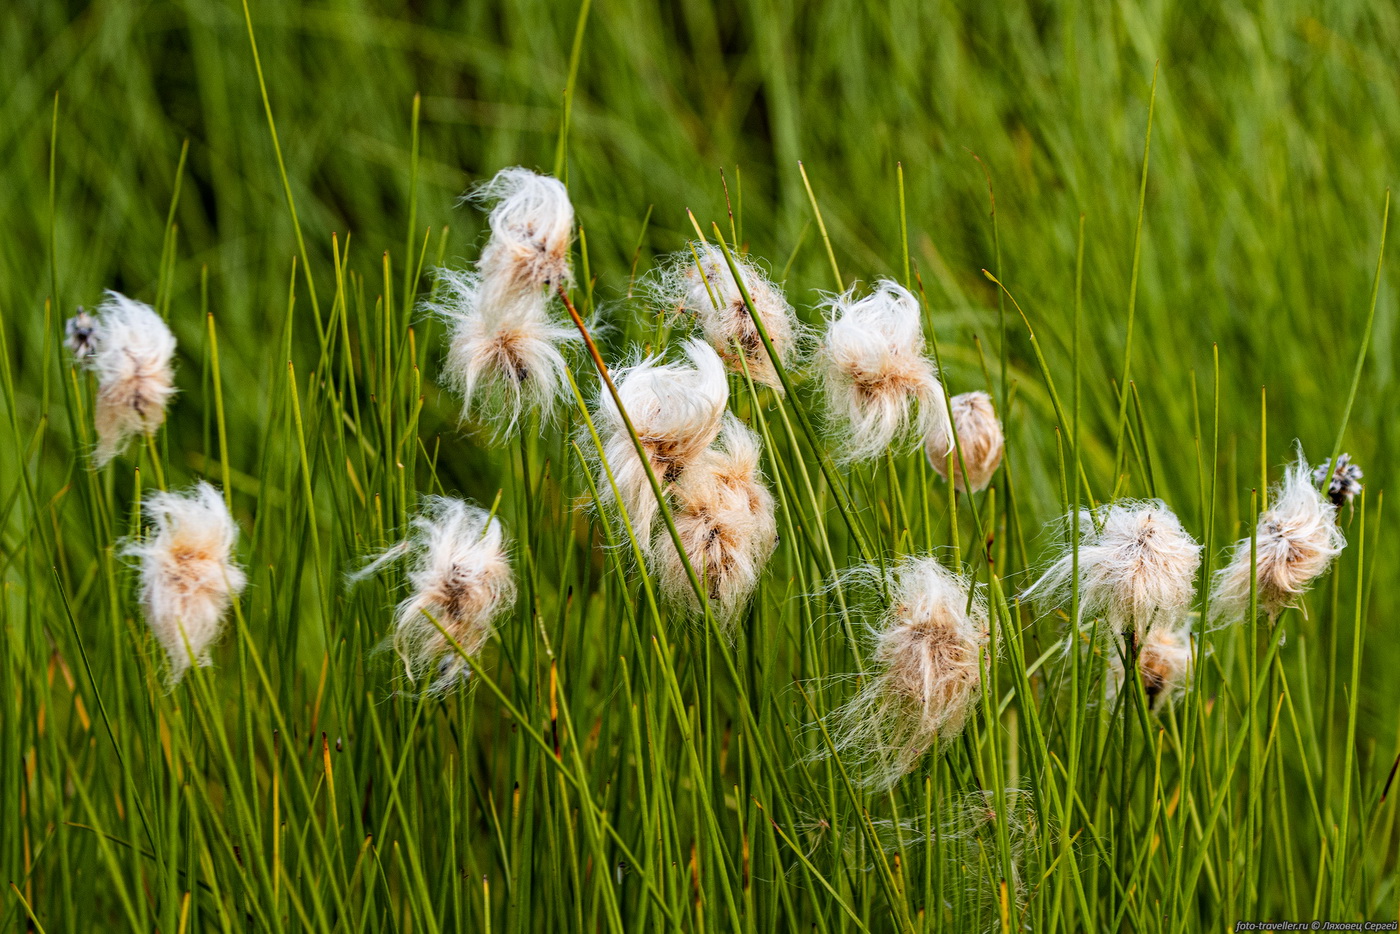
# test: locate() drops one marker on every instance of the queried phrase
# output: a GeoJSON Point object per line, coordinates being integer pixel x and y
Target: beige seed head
{"type": "Point", "coordinates": [459, 576]}
{"type": "Point", "coordinates": [881, 390]}
{"type": "Point", "coordinates": [677, 410]}
{"type": "Point", "coordinates": [1164, 664]}
{"type": "Point", "coordinates": [927, 674]}
{"type": "Point", "coordinates": [505, 356]}
{"type": "Point", "coordinates": [1137, 567]}
{"type": "Point", "coordinates": [710, 292]}
{"type": "Point", "coordinates": [1296, 539]}
{"type": "Point", "coordinates": [532, 226]}
{"type": "Point", "coordinates": [130, 349]}
{"type": "Point", "coordinates": [188, 575]}
{"type": "Point", "coordinates": [725, 517]}
{"type": "Point", "coordinates": [979, 435]}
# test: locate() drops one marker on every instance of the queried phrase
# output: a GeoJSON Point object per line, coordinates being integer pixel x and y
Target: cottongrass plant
{"type": "Point", "coordinates": [927, 677]}
{"type": "Point", "coordinates": [1164, 665]}
{"type": "Point", "coordinates": [129, 347]}
{"type": "Point", "coordinates": [701, 284]}
{"type": "Point", "coordinates": [979, 438]}
{"type": "Point", "coordinates": [1137, 568]}
{"type": "Point", "coordinates": [460, 581]}
{"type": "Point", "coordinates": [1294, 543]}
{"type": "Point", "coordinates": [881, 389]}
{"type": "Point", "coordinates": [724, 515]}
{"type": "Point", "coordinates": [1345, 484]}
{"type": "Point", "coordinates": [505, 349]}
{"type": "Point", "coordinates": [188, 574]}
{"type": "Point", "coordinates": [677, 411]}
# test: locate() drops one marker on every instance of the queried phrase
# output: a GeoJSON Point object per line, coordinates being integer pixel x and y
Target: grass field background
{"type": "Point", "coordinates": [616, 767]}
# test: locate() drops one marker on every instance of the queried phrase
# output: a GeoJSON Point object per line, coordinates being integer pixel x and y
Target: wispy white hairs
{"type": "Point", "coordinates": [532, 225]}
{"type": "Point", "coordinates": [980, 437]}
{"type": "Point", "coordinates": [881, 390]}
{"type": "Point", "coordinates": [504, 354]}
{"type": "Point", "coordinates": [1295, 541]}
{"type": "Point", "coordinates": [710, 292]}
{"type": "Point", "coordinates": [677, 411]}
{"type": "Point", "coordinates": [460, 576]}
{"type": "Point", "coordinates": [130, 349]}
{"type": "Point", "coordinates": [724, 515]}
{"type": "Point", "coordinates": [927, 673]}
{"type": "Point", "coordinates": [1137, 567]}
{"type": "Point", "coordinates": [188, 575]}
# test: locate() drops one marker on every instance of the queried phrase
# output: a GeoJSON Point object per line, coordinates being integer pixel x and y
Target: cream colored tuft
{"type": "Point", "coordinates": [1296, 539]}
{"type": "Point", "coordinates": [926, 678]}
{"type": "Point", "coordinates": [461, 577]}
{"type": "Point", "coordinates": [1137, 568]}
{"type": "Point", "coordinates": [188, 575]}
{"type": "Point", "coordinates": [724, 515]}
{"type": "Point", "coordinates": [532, 227]}
{"type": "Point", "coordinates": [504, 357]}
{"type": "Point", "coordinates": [130, 349]}
{"type": "Point", "coordinates": [710, 293]}
{"type": "Point", "coordinates": [677, 410]}
{"type": "Point", "coordinates": [979, 435]}
{"type": "Point", "coordinates": [1165, 659]}
{"type": "Point", "coordinates": [881, 390]}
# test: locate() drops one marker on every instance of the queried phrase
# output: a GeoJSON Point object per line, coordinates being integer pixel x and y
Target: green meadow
{"type": "Point", "coordinates": [1154, 233]}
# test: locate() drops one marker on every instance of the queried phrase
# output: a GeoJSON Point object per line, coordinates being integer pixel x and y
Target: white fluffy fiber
{"type": "Point", "coordinates": [188, 575]}
{"type": "Point", "coordinates": [131, 352]}
{"type": "Point", "coordinates": [1295, 541]}
{"type": "Point", "coordinates": [881, 391]}
{"type": "Point", "coordinates": [1137, 567]}
{"type": "Point", "coordinates": [677, 410]}
{"type": "Point", "coordinates": [459, 575]}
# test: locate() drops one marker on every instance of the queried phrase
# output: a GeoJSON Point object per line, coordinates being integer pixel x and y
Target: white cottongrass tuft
{"type": "Point", "coordinates": [710, 292]}
{"type": "Point", "coordinates": [1164, 663]}
{"type": "Point", "coordinates": [80, 334]}
{"type": "Point", "coordinates": [724, 515]}
{"type": "Point", "coordinates": [504, 354]}
{"type": "Point", "coordinates": [881, 390]}
{"type": "Point", "coordinates": [677, 411]}
{"type": "Point", "coordinates": [130, 349]}
{"type": "Point", "coordinates": [979, 435]}
{"type": "Point", "coordinates": [1137, 568]}
{"type": "Point", "coordinates": [927, 674]}
{"type": "Point", "coordinates": [188, 575]}
{"type": "Point", "coordinates": [461, 577]}
{"type": "Point", "coordinates": [532, 226]}
{"type": "Point", "coordinates": [1296, 540]}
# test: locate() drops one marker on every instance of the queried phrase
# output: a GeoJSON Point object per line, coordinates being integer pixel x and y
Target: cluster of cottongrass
{"type": "Point", "coordinates": [1133, 576]}
{"type": "Point", "coordinates": [1137, 569]}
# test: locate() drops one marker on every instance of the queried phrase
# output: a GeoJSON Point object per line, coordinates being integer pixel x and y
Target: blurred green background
{"type": "Point", "coordinates": [1276, 125]}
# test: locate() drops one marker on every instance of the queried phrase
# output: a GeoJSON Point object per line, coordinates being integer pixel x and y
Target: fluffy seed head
{"type": "Point", "coordinates": [1137, 567]}
{"type": "Point", "coordinates": [677, 411]}
{"type": "Point", "coordinates": [980, 437]}
{"type": "Point", "coordinates": [504, 353]}
{"type": "Point", "coordinates": [926, 678]}
{"type": "Point", "coordinates": [710, 293]}
{"type": "Point", "coordinates": [461, 576]}
{"type": "Point", "coordinates": [724, 514]}
{"type": "Point", "coordinates": [130, 350]}
{"type": "Point", "coordinates": [1345, 483]}
{"type": "Point", "coordinates": [188, 575]}
{"type": "Point", "coordinates": [80, 331]}
{"type": "Point", "coordinates": [1164, 664]}
{"type": "Point", "coordinates": [881, 390]}
{"type": "Point", "coordinates": [1295, 541]}
{"type": "Point", "coordinates": [532, 226]}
